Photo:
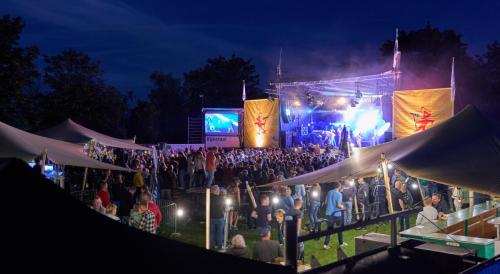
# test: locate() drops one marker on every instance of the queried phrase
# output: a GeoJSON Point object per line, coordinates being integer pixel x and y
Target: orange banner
{"type": "Point", "coordinates": [261, 123]}
{"type": "Point", "coordinates": [417, 110]}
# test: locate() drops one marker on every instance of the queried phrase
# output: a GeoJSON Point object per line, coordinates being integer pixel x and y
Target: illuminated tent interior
{"type": "Point", "coordinates": [26, 146]}
{"type": "Point", "coordinates": [72, 132]}
{"type": "Point", "coordinates": [462, 151]}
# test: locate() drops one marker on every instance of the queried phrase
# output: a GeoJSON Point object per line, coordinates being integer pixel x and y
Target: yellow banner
{"type": "Point", "coordinates": [261, 123]}
{"type": "Point", "coordinates": [417, 110]}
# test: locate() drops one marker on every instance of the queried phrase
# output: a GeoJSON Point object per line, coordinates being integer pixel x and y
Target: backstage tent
{"type": "Point", "coordinates": [462, 151]}
{"type": "Point", "coordinates": [24, 145]}
{"type": "Point", "coordinates": [72, 132]}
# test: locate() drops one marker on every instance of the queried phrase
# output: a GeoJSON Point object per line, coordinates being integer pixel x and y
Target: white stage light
{"type": "Point", "coordinates": [276, 200]}
{"type": "Point", "coordinates": [180, 212]}
{"type": "Point", "coordinates": [341, 101]}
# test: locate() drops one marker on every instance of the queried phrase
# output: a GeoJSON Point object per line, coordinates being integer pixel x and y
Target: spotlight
{"type": "Point", "coordinates": [379, 170]}
{"type": "Point", "coordinates": [341, 101]}
{"type": "Point", "coordinates": [296, 103]}
{"type": "Point", "coordinates": [228, 202]}
{"type": "Point", "coordinates": [389, 166]}
{"type": "Point", "coordinates": [351, 182]}
{"type": "Point", "coordinates": [276, 200]}
{"type": "Point", "coordinates": [315, 194]}
{"type": "Point", "coordinates": [414, 186]}
{"type": "Point", "coordinates": [180, 212]}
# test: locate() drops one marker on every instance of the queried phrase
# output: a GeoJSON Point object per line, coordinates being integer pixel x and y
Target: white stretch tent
{"type": "Point", "coordinates": [461, 151]}
{"type": "Point", "coordinates": [24, 145]}
{"type": "Point", "coordinates": [72, 132]}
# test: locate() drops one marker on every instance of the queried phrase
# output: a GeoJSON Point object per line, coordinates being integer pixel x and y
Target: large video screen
{"type": "Point", "coordinates": [221, 123]}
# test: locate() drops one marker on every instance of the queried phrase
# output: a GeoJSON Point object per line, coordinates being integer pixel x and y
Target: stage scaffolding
{"type": "Point", "coordinates": [378, 88]}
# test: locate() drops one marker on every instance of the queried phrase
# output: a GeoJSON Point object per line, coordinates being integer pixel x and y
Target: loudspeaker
{"type": "Point", "coordinates": [284, 118]}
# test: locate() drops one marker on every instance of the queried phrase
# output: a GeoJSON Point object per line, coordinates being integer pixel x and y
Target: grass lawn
{"type": "Point", "coordinates": [194, 233]}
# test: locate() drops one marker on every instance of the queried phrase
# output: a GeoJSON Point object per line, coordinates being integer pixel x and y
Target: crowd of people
{"type": "Point", "coordinates": [128, 198]}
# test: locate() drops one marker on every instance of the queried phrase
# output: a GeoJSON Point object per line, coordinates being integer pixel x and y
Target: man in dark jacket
{"type": "Point", "coordinates": [266, 250]}
{"type": "Point", "coordinates": [217, 208]}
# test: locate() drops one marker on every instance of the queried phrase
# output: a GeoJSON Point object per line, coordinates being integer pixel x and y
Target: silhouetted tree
{"type": "Point", "coordinates": [426, 62]}
{"type": "Point", "coordinates": [166, 97]}
{"type": "Point", "coordinates": [18, 75]}
{"type": "Point", "coordinates": [143, 123]}
{"type": "Point", "coordinates": [77, 90]}
{"type": "Point", "coordinates": [220, 82]}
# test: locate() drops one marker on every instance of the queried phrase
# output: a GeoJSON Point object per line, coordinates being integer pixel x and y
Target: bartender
{"type": "Point", "coordinates": [439, 205]}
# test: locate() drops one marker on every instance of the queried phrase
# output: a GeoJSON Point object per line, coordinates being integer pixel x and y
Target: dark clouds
{"type": "Point", "coordinates": [132, 38]}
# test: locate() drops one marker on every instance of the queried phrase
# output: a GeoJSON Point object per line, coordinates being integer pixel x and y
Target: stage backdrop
{"type": "Point", "coordinates": [261, 120]}
{"type": "Point", "coordinates": [417, 110]}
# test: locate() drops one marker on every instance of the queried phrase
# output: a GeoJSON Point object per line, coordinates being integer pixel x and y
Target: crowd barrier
{"type": "Point", "coordinates": [169, 213]}
{"type": "Point", "coordinates": [86, 196]}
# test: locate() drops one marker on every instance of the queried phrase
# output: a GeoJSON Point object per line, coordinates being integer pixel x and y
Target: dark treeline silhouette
{"type": "Point", "coordinates": [71, 84]}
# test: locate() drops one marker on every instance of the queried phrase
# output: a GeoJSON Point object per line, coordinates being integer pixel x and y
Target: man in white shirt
{"type": "Point", "coordinates": [427, 213]}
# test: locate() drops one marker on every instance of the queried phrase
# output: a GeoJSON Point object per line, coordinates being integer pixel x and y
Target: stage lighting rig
{"type": "Point", "coordinates": [359, 94]}
{"type": "Point", "coordinates": [354, 103]}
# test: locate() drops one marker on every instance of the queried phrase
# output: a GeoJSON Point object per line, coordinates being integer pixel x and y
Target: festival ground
{"type": "Point", "coordinates": [193, 232]}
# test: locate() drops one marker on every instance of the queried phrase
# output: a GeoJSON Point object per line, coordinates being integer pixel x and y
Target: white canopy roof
{"type": "Point", "coordinates": [72, 132]}
{"type": "Point", "coordinates": [24, 145]}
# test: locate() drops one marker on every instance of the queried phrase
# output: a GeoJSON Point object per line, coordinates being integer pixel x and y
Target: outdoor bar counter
{"type": "Point", "coordinates": [467, 228]}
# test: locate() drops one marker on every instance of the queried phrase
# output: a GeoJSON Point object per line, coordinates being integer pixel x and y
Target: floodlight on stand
{"type": "Point", "coordinates": [351, 182]}
{"type": "Point", "coordinates": [414, 186]}
{"type": "Point", "coordinates": [228, 201]}
{"type": "Point", "coordinates": [276, 200]}
{"type": "Point", "coordinates": [379, 170]}
{"type": "Point", "coordinates": [389, 166]}
{"type": "Point", "coordinates": [180, 212]}
{"type": "Point", "coordinates": [315, 194]}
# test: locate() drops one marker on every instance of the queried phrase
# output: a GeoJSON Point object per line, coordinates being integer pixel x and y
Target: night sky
{"type": "Point", "coordinates": [133, 38]}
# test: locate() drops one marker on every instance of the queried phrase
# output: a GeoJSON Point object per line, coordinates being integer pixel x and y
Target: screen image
{"type": "Point", "coordinates": [225, 123]}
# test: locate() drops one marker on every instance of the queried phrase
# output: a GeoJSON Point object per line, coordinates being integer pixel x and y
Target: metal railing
{"type": "Point", "coordinates": [169, 213]}
{"type": "Point", "coordinates": [85, 196]}
{"type": "Point", "coordinates": [291, 233]}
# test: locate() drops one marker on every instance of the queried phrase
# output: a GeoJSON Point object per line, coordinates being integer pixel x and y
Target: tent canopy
{"type": "Point", "coordinates": [24, 145]}
{"type": "Point", "coordinates": [463, 151]}
{"type": "Point", "coordinates": [72, 132]}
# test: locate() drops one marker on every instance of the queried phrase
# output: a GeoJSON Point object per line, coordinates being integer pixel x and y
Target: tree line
{"type": "Point", "coordinates": [71, 84]}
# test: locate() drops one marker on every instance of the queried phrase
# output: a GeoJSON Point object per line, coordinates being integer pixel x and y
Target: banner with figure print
{"type": "Point", "coordinates": [261, 121]}
{"type": "Point", "coordinates": [417, 110]}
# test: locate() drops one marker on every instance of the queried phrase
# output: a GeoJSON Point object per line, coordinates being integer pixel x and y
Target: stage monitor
{"type": "Point", "coordinates": [221, 123]}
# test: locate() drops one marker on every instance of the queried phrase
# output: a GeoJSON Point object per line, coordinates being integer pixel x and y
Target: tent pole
{"type": "Point", "coordinates": [356, 209]}
{"type": "Point", "coordinates": [387, 184]}
{"type": "Point", "coordinates": [44, 159]}
{"type": "Point", "coordinates": [420, 190]}
{"type": "Point", "coordinates": [207, 219]}
{"type": "Point", "coordinates": [83, 183]}
{"type": "Point", "coordinates": [250, 193]}
{"type": "Point", "coordinates": [471, 199]}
